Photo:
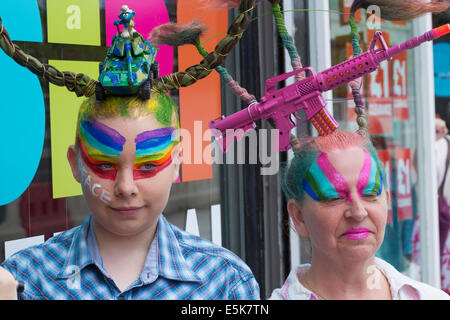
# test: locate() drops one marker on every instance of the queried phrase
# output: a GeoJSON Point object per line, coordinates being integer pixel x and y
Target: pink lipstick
{"type": "Point", "coordinates": [357, 233]}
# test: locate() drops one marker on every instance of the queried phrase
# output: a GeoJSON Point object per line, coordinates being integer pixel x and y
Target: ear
{"type": "Point", "coordinates": [176, 161]}
{"type": "Point", "coordinates": [296, 214]}
{"type": "Point", "coordinates": [388, 197]}
{"type": "Point", "coordinates": [73, 161]}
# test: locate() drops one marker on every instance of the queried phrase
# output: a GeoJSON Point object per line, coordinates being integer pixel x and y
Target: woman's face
{"type": "Point", "coordinates": [344, 212]}
{"type": "Point", "coordinates": [126, 168]}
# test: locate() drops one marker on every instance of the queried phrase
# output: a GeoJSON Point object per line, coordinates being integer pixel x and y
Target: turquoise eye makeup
{"type": "Point", "coordinates": [323, 182]}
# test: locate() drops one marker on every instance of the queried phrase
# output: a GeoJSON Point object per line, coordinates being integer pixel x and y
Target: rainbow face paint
{"type": "Point", "coordinates": [102, 138]}
{"type": "Point", "coordinates": [153, 152]}
{"type": "Point", "coordinates": [323, 182]}
{"type": "Point", "coordinates": [100, 148]}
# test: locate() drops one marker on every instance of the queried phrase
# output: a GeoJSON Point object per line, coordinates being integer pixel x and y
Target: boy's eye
{"type": "Point", "coordinates": [105, 166]}
{"type": "Point", "coordinates": [147, 166]}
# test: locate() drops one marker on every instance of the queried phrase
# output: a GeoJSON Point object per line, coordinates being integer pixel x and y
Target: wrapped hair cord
{"type": "Point", "coordinates": [213, 59]}
{"type": "Point", "coordinates": [355, 85]}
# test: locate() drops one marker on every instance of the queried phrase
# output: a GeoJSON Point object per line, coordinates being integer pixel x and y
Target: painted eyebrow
{"type": "Point", "coordinates": [104, 134]}
{"type": "Point", "coordinates": [143, 137]}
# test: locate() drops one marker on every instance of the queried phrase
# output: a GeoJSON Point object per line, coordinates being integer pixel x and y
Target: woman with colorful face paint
{"type": "Point", "coordinates": [126, 157]}
{"type": "Point", "coordinates": [337, 199]}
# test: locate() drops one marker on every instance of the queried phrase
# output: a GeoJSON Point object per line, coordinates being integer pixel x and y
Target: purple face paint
{"type": "Point", "coordinates": [157, 133]}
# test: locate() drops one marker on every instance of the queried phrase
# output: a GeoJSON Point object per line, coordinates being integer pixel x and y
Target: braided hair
{"type": "Point", "coordinates": [83, 85]}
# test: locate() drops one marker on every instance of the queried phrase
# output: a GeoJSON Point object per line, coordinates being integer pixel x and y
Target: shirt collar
{"type": "Point", "coordinates": [164, 258]}
{"type": "Point", "coordinates": [399, 283]}
{"type": "Point", "coordinates": [293, 289]}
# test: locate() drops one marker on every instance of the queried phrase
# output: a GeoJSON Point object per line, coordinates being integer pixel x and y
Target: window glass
{"type": "Point", "coordinates": [50, 200]}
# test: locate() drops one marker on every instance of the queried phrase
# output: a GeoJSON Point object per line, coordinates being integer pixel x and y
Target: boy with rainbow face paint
{"type": "Point", "coordinates": [126, 157]}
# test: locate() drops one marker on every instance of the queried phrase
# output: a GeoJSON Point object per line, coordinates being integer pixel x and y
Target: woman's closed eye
{"type": "Point", "coordinates": [370, 196]}
{"type": "Point", "coordinates": [333, 200]}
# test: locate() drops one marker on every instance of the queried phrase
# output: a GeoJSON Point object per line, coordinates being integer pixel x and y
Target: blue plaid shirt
{"type": "Point", "coordinates": [178, 266]}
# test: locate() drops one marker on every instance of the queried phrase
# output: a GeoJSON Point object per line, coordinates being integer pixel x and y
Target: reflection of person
{"type": "Point", "coordinates": [337, 195]}
{"type": "Point", "coordinates": [442, 164]}
{"type": "Point", "coordinates": [126, 157]}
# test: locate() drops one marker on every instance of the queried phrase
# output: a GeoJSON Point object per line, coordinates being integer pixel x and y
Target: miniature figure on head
{"type": "Point", "coordinates": [126, 17]}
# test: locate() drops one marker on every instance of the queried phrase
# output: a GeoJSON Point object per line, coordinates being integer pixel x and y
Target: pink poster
{"type": "Point", "coordinates": [149, 14]}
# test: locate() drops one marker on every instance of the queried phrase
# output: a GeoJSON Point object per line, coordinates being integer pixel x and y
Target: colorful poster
{"type": "Point", "coordinates": [29, 12]}
{"type": "Point", "coordinates": [441, 52]}
{"type": "Point", "coordinates": [385, 158]}
{"type": "Point", "coordinates": [73, 22]}
{"type": "Point", "coordinates": [400, 86]}
{"type": "Point", "coordinates": [379, 95]}
{"type": "Point", "coordinates": [403, 185]}
{"type": "Point", "coordinates": [22, 128]}
{"type": "Point", "coordinates": [149, 14]}
{"type": "Point", "coordinates": [200, 102]}
{"type": "Point", "coordinates": [22, 125]}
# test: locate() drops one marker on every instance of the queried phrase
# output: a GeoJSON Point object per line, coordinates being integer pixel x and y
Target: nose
{"type": "Point", "coordinates": [356, 210]}
{"type": "Point", "coordinates": [125, 186]}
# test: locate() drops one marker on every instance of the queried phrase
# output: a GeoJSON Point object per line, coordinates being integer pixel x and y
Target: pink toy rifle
{"type": "Point", "coordinates": [306, 94]}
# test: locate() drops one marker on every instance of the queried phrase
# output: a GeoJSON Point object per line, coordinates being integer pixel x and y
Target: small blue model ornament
{"type": "Point", "coordinates": [129, 67]}
{"type": "Point", "coordinates": [126, 17]}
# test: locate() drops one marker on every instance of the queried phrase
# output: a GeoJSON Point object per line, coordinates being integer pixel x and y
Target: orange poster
{"type": "Point", "coordinates": [200, 102]}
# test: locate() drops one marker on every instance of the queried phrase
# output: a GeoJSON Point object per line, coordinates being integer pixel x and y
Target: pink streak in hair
{"type": "Point", "coordinates": [365, 173]}
{"type": "Point", "coordinates": [334, 177]}
{"type": "Point", "coordinates": [339, 140]}
{"type": "Point", "coordinates": [297, 64]}
{"type": "Point", "coordinates": [241, 92]}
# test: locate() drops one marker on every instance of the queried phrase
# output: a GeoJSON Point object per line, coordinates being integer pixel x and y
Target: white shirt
{"type": "Point", "coordinates": [402, 287]}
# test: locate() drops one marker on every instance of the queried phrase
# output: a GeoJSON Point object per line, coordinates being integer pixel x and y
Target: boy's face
{"type": "Point", "coordinates": [126, 168]}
